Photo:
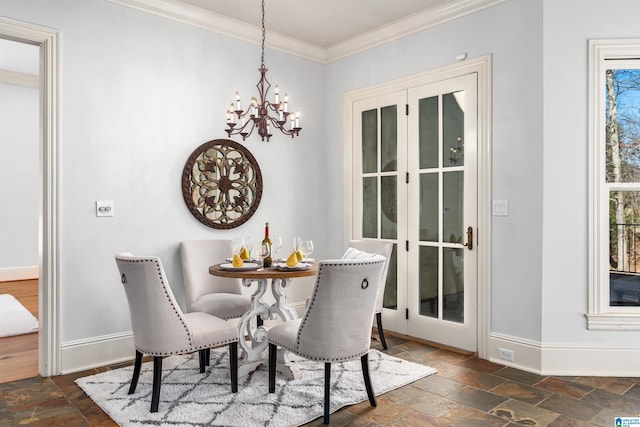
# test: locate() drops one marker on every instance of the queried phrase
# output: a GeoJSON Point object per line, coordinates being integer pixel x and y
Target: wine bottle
{"type": "Point", "coordinates": [266, 248]}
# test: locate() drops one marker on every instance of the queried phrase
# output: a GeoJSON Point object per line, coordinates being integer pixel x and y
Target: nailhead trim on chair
{"type": "Point", "coordinates": [189, 350]}
{"type": "Point", "coordinates": [304, 320]}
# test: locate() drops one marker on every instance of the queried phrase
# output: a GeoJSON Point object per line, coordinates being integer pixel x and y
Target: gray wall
{"type": "Point", "coordinates": [138, 93]}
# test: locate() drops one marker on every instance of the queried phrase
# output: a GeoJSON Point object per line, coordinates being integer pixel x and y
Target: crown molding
{"type": "Point", "coordinates": [191, 15]}
{"type": "Point", "coordinates": [407, 26]}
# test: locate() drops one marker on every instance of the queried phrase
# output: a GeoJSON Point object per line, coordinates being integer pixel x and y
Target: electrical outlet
{"type": "Point", "coordinates": [505, 354]}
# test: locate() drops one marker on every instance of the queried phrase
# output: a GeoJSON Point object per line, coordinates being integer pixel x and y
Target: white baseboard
{"type": "Point", "coordinates": [19, 273]}
{"type": "Point", "coordinates": [566, 359]}
{"type": "Point", "coordinates": [95, 352]}
{"type": "Point", "coordinates": [106, 350]}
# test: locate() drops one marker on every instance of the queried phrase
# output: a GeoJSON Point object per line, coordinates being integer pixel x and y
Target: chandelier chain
{"type": "Point", "coordinates": [263, 34]}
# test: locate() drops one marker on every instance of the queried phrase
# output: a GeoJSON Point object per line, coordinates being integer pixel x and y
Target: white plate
{"type": "Point", "coordinates": [284, 267]}
{"type": "Point", "coordinates": [254, 261]}
{"type": "Point", "coordinates": [305, 260]}
{"type": "Point", "coordinates": [245, 266]}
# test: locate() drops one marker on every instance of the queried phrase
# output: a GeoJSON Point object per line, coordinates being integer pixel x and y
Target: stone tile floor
{"type": "Point", "coordinates": [466, 391]}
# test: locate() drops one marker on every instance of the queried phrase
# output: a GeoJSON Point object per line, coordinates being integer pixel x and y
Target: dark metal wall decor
{"type": "Point", "coordinates": [222, 184]}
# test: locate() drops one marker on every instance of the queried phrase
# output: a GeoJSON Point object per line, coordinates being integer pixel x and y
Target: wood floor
{"type": "Point", "coordinates": [19, 354]}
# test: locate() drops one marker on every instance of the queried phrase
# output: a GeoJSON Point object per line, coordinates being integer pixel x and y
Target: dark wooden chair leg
{"type": "Point", "coordinates": [364, 361]}
{"type": "Point", "coordinates": [259, 321]}
{"type": "Point", "coordinates": [233, 365]}
{"type": "Point", "coordinates": [202, 358]}
{"type": "Point", "coordinates": [136, 372]}
{"type": "Point", "coordinates": [157, 379]}
{"type": "Point", "coordinates": [380, 330]}
{"type": "Point", "coordinates": [327, 391]}
{"type": "Point", "coordinates": [273, 351]}
{"type": "Point", "coordinates": [208, 357]}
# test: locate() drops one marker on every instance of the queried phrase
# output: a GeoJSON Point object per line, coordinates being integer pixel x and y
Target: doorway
{"type": "Point", "coordinates": [19, 169]}
{"type": "Point", "coordinates": [419, 155]}
{"type": "Point", "coordinates": [47, 41]}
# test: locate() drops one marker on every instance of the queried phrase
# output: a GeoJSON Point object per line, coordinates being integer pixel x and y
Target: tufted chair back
{"type": "Point", "coordinates": [337, 323]}
{"type": "Point", "coordinates": [197, 256]}
{"type": "Point", "coordinates": [379, 247]}
{"type": "Point", "coordinates": [159, 326]}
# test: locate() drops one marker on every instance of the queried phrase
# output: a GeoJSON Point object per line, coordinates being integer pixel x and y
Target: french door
{"type": "Point", "coordinates": [414, 184]}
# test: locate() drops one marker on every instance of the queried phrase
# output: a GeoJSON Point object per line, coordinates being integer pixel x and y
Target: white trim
{"type": "Point", "coordinates": [600, 315]}
{"type": "Point", "coordinates": [95, 352]}
{"type": "Point", "coordinates": [19, 273]}
{"type": "Point", "coordinates": [437, 15]}
{"type": "Point", "coordinates": [47, 39]}
{"type": "Point", "coordinates": [22, 79]}
{"type": "Point", "coordinates": [481, 66]}
{"type": "Point", "coordinates": [216, 23]}
{"type": "Point", "coordinates": [197, 17]}
{"type": "Point", "coordinates": [564, 359]}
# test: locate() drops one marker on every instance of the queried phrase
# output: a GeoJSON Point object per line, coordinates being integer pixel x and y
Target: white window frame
{"type": "Point", "coordinates": [602, 316]}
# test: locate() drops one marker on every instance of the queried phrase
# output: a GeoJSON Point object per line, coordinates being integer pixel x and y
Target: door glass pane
{"type": "Point", "coordinates": [624, 248]}
{"type": "Point", "coordinates": [453, 129]}
{"type": "Point", "coordinates": [370, 141]}
{"type": "Point", "coordinates": [428, 281]}
{"type": "Point", "coordinates": [388, 138]}
{"type": "Point", "coordinates": [370, 207]}
{"type": "Point", "coordinates": [389, 197]}
{"type": "Point", "coordinates": [391, 290]}
{"type": "Point", "coordinates": [428, 132]}
{"type": "Point", "coordinates": [453, 285]}
{"type": "Point", "coordinates": [429, 207]}
{"type": "Point", "coordinates": [453, 200]}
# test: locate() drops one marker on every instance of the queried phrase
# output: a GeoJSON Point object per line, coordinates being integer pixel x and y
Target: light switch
{"type": "Point", "coordinates": [104, 208]}
{"type": "Point", "coordinates": [500, 208]}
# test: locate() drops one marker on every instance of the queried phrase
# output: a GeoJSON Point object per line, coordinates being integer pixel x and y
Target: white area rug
{"type": "Point", "coordinates": [14, 318]}
{"type": "Point", "coordinates": [189, 398]}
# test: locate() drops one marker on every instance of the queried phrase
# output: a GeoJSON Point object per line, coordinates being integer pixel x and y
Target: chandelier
{"type": "Point", "coordinates": [259, 114]}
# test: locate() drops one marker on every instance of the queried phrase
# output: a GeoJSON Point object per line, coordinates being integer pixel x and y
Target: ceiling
{"type": "Point", "coordinates": [320, 30]}
{"type": "Point", "coordinates": [323, 23]}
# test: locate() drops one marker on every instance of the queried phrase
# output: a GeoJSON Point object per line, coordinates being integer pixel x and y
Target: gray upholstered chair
{"type": "Point", "coordinates": [385, 249]}
{"type": "Point", "coordinates": [336, 326]}
{"type": "Point", "coordinates": [160, 328]}
{"type": "Point", "coordinates": [219, 296]}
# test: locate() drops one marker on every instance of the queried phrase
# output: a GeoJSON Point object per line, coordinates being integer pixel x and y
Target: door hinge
{"type": "Point", "coordinates": [407, 314]}
{"type": "Point", "coordinates": [406, 245]}
{"type": "Point", "coordinates": [407, 109]}
{"type": "Point", "coordinates": [406, 178]}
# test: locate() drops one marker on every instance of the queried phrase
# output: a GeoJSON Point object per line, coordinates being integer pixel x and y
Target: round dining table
{"type": "Point", "coordinates": [279, 279]}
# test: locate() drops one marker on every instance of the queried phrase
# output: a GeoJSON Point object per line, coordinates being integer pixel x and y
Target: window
{"type": "Point", "coordinates": [614, 179]}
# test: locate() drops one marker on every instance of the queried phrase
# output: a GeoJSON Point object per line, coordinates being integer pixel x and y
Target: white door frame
{"type": "Point", "coordinates": [47, 40]}
{"type": "Point", "coordinates": [481, 66]}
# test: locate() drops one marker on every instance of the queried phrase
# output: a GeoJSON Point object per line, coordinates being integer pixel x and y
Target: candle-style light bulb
{"type": "Point", "coordinates": [297, 119]}
{"type": "Point", "coordinates": [286, 103]}
{"type": "Point", "coordinates": [254, 106]}
{"type": "Point", "coordinates": [238, 107]}
{"type": "Point", "coordinates": [277, 94]}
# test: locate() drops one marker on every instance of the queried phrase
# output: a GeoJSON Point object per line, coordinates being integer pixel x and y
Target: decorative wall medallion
{"type": "Point", "coordinates": [222, 184]}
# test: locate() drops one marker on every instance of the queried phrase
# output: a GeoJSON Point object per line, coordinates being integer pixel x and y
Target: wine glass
{"type": "Point", "coordinates": [237, 244]}
{"type": "Point", "coordinates": [297, 241]}
{"type": "Point", "coordinates": [276, 245]}
{"type": "Point", "coordinates": [306, 248]}
{"type": "Point", "coordinates": [248, 244]}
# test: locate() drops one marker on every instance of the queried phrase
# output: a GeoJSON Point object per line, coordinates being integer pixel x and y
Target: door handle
{"type": "Point", "coordinates": [469, 243]}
